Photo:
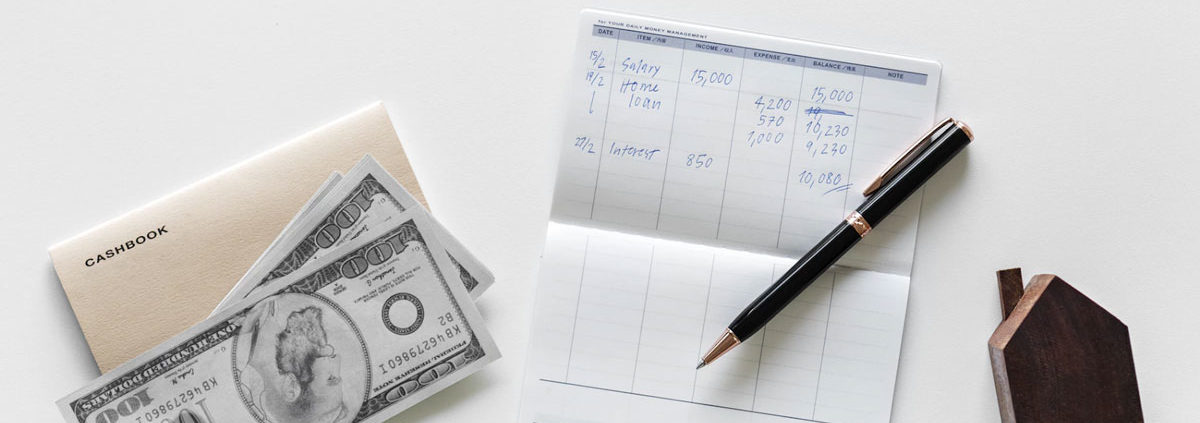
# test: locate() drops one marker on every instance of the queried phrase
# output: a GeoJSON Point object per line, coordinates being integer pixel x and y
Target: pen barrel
{"type": "Point", "coordinates": [795, 280]}
{"type": "Point", "coordinates": [946, 141]}
{"type": "Point", "coordinates": [946, 144]}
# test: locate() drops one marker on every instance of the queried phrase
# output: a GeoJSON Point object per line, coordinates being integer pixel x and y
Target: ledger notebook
{"type": "Point", "coordinates": [140, 279]}
{"type": "Point", "coordinates": [697, 164]}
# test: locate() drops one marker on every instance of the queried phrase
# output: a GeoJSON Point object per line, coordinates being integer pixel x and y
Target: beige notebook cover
{"type": "Point", "coordinates": [141, 278]}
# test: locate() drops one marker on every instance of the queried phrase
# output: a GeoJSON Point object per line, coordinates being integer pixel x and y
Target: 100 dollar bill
{"type": "Point", "coordinates": [366, 199]}
{"type": "Point", "coordinates": [357, 336]}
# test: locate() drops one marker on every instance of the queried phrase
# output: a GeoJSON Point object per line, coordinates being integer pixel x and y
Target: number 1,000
{"type": "Point", "coordinates": [758, 137]}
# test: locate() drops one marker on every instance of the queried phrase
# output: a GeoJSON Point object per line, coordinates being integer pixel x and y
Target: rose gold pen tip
{"type": "Point", "coordinates": [702, 364]}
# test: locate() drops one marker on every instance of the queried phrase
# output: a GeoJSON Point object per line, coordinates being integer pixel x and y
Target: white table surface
{"type": "Point", "coordinates": [1084, 163]}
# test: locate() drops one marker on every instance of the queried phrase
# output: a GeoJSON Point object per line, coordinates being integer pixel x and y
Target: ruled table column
{"type": "Point", "coordinates": [693, 190]}
{"type": "Point", "coordinates": [823, 152]}
{"type": "Point", "coordinates": [736, 280]}
{"type": "Point", "coordinates": [637, 129]}
{"type": "Point", "coordinates": [676, 301]}
{"type": "Point", "coordinates": [793, 351]}
{"type": "Point", "coordinates": [560, 278]}
{"type": "Point", "coordinates": [762, 145]}
{"type": "Point", "coordinates": [608, 318]}
{"type": "Point", "coordinates": [889, 120]}
{"type": "Point", "coordinates": [588, 110]}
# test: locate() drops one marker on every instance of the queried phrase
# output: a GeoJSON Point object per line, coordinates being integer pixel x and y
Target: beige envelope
{"type": "Point", "coordinates": [141, 278]}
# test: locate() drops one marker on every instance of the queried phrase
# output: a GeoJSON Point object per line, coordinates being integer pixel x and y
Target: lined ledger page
{"type": "Point", "coordinates": [754, 141]}
{"type": "Point", "coordinates": [697, 164]}
{"type": "Point", "coordinates": [622, 320]}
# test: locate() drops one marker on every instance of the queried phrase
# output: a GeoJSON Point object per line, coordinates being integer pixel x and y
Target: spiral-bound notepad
{"type": "Point", "coordinates": [698, 163]}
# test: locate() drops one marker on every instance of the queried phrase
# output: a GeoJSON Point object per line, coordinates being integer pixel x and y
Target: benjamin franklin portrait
{"type": "Point", "coordinates": [290, 363]}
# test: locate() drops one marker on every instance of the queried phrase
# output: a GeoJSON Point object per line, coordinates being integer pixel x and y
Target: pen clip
{"type": "Point", "coordinates": [907, 157]}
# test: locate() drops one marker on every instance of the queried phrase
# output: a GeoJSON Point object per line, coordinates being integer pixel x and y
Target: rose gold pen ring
{"type": "Point", "coordinates": [859, 224]}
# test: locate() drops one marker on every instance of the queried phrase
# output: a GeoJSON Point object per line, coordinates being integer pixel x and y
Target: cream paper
{"type": "Point", "coordinates": [167, 264]}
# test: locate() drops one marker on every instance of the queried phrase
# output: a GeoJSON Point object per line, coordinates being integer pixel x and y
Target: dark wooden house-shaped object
{"type": "Point", "coordinates": [1060, 357]}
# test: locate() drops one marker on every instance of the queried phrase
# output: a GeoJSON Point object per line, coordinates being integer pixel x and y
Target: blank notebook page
{"type": "Point", "coordinates": [697, 164]}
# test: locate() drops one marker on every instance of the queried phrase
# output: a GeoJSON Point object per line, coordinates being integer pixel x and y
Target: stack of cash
{"type": "Point", "coordinates": [362, 307]}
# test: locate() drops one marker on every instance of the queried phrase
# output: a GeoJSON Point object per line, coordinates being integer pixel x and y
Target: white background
{"type": "Point", "coordinates": [1084, 163]}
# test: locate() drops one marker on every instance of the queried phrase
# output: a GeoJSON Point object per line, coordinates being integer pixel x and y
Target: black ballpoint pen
{"type": "Point", "coordinates": [901, 179]}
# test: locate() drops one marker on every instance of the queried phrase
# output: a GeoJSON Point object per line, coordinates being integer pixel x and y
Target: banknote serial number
{"type": "Point", "coordinates": [450, 330]}
{"type": "Point", "coordinates": [186, 406]}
